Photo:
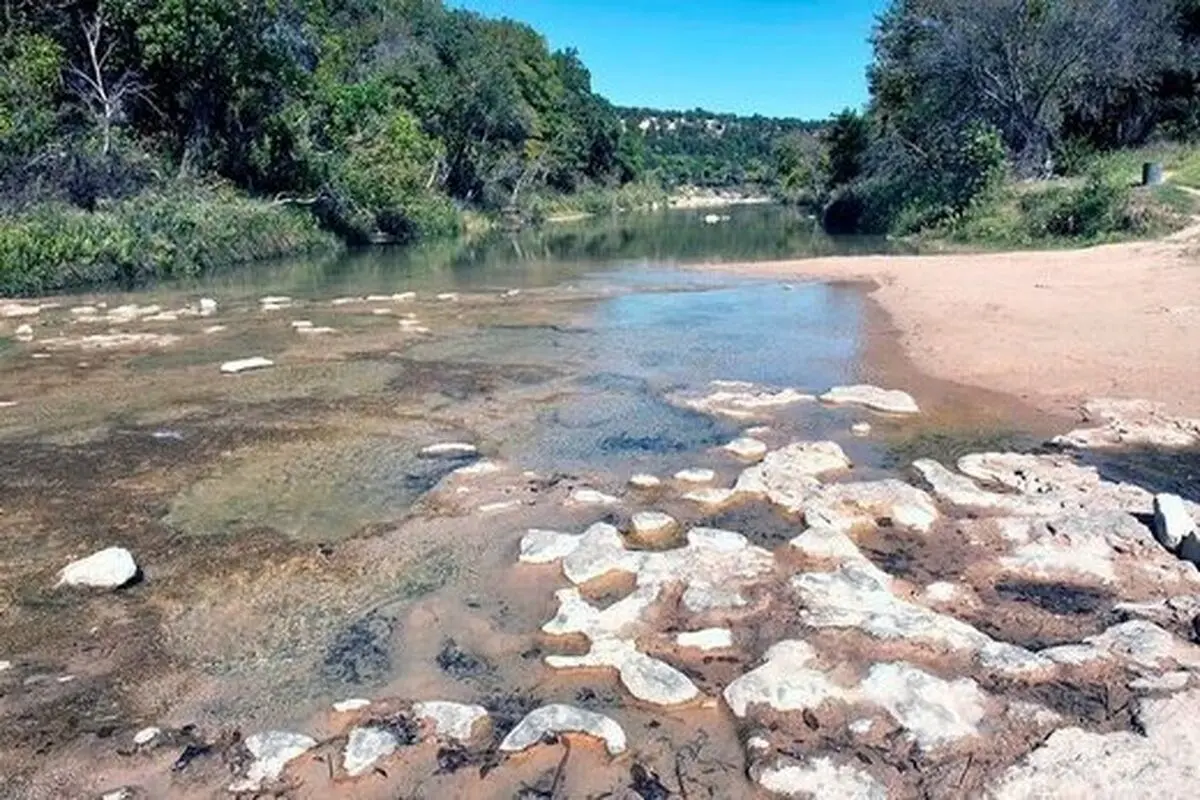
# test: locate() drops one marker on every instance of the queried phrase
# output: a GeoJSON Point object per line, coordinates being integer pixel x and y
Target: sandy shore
{"type": "Point", "coordinates": [1053, 328]}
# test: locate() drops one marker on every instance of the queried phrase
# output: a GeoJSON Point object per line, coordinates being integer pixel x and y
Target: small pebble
{"type": "Point", "coordinates": [861, 429]}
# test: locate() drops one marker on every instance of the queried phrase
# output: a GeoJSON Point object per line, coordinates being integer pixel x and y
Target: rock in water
{"type": "Point", "coordinates": [559, 718]}
{"type": "Point", "coordinates": [888, 401]}
{"type": "Point", "coordinates": [108, 569]}
{"type": "Point", "coordinates": [652, 528]}
{"type": "Point", "coordinates": [450, 450]}
{"type": "Point", "coordinates": [747, 448]}
{"type": "Point", "coordinates": [707, 639]}
{"type": "Point", "coordinates": [272, 751]}
{"type": "Point", "coordinates": [1172, 522]}
{"type": "Point", "coordinates": [365, 747]}
{"type": "Point", "coordinates": [246, 365]}
{"type": "Point", "coordinates": [821, 778]}
{"type": "Point", "coordinates": [643, 481]}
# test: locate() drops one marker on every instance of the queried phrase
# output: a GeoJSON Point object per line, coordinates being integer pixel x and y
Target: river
{"type": "Point", "coordinates": [297, 548]}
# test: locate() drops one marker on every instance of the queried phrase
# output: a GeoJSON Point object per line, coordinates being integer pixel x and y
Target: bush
{"type": "Point", "coordinates": [1098, 208]}
{"type": "Point", "coordinates": [181, 233]}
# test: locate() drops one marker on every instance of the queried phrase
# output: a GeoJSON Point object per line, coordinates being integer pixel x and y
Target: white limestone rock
{"type": "Point", "coordinates": [706, 640]}
{"type": "Point", "coordinates": [695, 476]}
{"type": "Point", "coordinates": [710, 497]}
{"type": "Point", "coordinates": [592, 497]}
{"type": "Point", "coordinates": [559, 718]}
{"type": "Point", "coordinates": [872, 397]}
{"type": "Point", "coordinates": [786, 681]}
{"type": "Point", "coordinates": [1130, 423]}
{"type": "Point", "coordinates": [365, 747]}
{"type": "Point", "coordinates": [457, 721]}
{"type": "Point", "coordinates": [861, 429]}
{"type": "Point", "coordinates": [642, 481]}
{"type": "Point", "coordinates": [1172, 522]}
{"type": "Point", "coordinates": [24, 333]}
{"type": "Point", "coordinates": [478, 469]}
{"type": "Point", "coordinates": [1137, 642]}
{"type": "Point", "coordinates": [146, 735]}
{"type": "Point", "coordinates": [599, 551]}
{"type": "Point", "coordinates": [846, 506]}
{"type": "Point", "coordinates": [546, 547]}
{"type": "Point", "coordinates": [933, 711]}
{"type": "Point", "coordinates": [351, 705]}
{"type": "Point", "coordinates": [108, 569]}
{"type": "Point", "coordinates": [1166, 682]}
{"type": "Point", "coordinates": [450, 450]}
{"type": "Point", "coordinates": [820, 778]}
{"type": "Point", "coordinates": [652, 527]}
{"type": "Point", "coordinates": [241, 365]}
{"type": "Point", "coordinates": [789, 476]}
{"type": "Point", "coordinates": [648, 679]}
{"type": "Point", "coordinates": [829, 544]}
{"type": "Point", "coordinates": [1079, 765]}
{"type": "Point", "coordinates": [272, 752]}
{"type": "Point", "coordinates": [747, 449]}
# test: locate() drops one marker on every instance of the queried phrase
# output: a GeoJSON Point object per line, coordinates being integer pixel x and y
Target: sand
{"type": "Point", "coordinates": [1053, 328]}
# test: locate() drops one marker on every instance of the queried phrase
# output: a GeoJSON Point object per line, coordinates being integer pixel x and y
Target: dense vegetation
{"type": "Point", "coordinates": [705, 149]}
{"type": "Point", "coordinates": [373, 118]}
{"type": "Point", "coordinates": [1004, 119]}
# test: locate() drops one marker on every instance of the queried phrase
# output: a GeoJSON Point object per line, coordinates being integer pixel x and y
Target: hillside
{"type": "Point", "coordinates": [704, 148]}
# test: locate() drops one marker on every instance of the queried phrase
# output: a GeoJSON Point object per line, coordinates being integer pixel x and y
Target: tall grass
{"type": "Point", "coordinates": [184, 231]}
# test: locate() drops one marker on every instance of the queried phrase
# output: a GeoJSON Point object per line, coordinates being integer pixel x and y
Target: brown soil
{"type": "Point", "coordinates": [1053, 328]}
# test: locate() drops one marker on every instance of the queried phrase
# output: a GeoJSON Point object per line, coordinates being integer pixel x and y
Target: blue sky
{"type": "Point", "coordinates": [799, 58]}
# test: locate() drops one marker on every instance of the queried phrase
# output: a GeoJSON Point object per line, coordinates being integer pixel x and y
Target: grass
{"type": "Point", "coordinates": [596, 200]}
{"type": "Point", "coordinates": [184, 231]}
{"type": "Point", "coordinates": [1180, 161]}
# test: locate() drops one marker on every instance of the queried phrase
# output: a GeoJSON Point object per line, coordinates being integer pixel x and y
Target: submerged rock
{"type": "Point", "coordinates": [648, 679]}
{"type": "Point", "coordinates": [365, 747]}
{"type": "Point", "coordinates": [353, 704]}
{"type": "Point", "coordinates": [272, 752]}
{"type": "Point", "coordinates": [107, 569]}
{"type": "Point", "coordinates": [740, 400]}
{"type": "Point", "coordinates": [787, 681]}
{"type": "Point", "coordinates": [889, 401]}
{"type": "Point", "coordinates": [556, 719]}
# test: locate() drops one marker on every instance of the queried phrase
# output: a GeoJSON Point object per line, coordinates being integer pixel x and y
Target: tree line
{"type": "Point", "coordinates": [708, 149]}
{"type": "Point", "coordinates": [382, 116]}
{"type": "Point", "coordinates": [966, 93]}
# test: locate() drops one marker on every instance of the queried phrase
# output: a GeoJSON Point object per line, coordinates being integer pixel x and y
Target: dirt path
{"type": "Point", "coordinates": [1052, 327]}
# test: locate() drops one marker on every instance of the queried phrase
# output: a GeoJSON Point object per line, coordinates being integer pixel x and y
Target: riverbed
{"type": "Point", "coordinates": [350, 521]}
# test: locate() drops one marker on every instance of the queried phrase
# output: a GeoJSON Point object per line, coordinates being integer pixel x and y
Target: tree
{"type": "Point", "coordinates": [1018, 65]}
{"type": "Point", "coordinates": [846, 139]}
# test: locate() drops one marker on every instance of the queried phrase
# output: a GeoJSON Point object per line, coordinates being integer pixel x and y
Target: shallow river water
{"type": "Point", "coordinates": [297, 549]}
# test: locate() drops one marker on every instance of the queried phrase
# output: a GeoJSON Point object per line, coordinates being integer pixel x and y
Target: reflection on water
{"type": "Point", "coordinates": [557, 253]}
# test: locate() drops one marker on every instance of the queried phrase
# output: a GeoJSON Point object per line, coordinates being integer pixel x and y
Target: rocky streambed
{"type": "Point", "coordinates": [375, 567]}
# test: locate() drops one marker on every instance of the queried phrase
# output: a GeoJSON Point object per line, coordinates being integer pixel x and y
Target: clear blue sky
{"type": "Point", "coordinates": [796, 58]}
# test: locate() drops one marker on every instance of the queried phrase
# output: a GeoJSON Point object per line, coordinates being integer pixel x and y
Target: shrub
{"type": "Point", "coordinates": [1096, 209]}
{"type": "Point", "coordinates": [184, 232]}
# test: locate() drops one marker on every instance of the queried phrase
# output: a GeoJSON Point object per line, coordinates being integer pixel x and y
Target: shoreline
{"type": "Point", "coordinates": [1051, 328]}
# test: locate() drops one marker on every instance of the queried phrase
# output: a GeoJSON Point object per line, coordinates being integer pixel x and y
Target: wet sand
{"type": "Point", "coordinates": [1052, 328]}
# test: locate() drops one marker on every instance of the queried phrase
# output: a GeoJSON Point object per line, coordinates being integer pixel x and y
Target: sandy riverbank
{"type": "Point", "coordinates": [1051, 327]}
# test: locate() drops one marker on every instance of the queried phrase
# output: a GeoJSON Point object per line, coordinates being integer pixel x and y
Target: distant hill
{"type": "Point", "coordinates": [704, 148]}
